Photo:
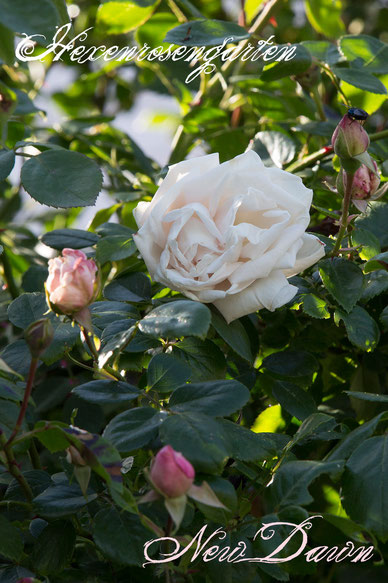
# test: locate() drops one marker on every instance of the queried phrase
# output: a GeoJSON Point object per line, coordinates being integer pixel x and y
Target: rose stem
{"type": "Point", "coordinates": [345, 213]}
{"type": "Point", "coordinates": [13, 467]}
{"type": "Point", "coordinates": [27, 393]}
{"type": "Point", "coordinates": [92, 348]}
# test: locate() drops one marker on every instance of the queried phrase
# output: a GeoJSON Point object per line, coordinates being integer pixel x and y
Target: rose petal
{"type": "Point", "coordinates": [311, 251]}
{"type": "Point", "coordinates": [270, 292]}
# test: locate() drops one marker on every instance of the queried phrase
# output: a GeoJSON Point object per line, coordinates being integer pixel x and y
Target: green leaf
{"type": "Point", "coordinates": [317, 426]}
{"type": "Point", "coordinates": [79, 177]}
{"type": "Point", "coordinates": [54, 547]}
{"type": "Point", "coordinates": [384, 317]}
{"type": "Point", "coordinates": [361, 79]}
{"type": "Point", "coordinates": [274, 148]}
{"type": "Point", "coordinates": [299, 63]}
{"type": "Point", "coordinates": [134, 287]}
{"type": "Point", "coordinates": [204, 358]}
{"type": "Point", "coordinates": [7, 161]}
{"type": "Point", "coordinates": [115, 248]}
{"type": "Point", "coordinates": [369, 242]}
{"type": "Point", "coordinates": [246, 445]}
{"type": "Point", "coordinates": [198, 438]}
{"type": "Point", "coordinates": [176, 319]}
{"type": "Point", "coordinates": [368, 396]}
{"type": "Point", "coordinates": [379, 261]}
{"type": "Point", "coordinates": [315, 306]}
{"type": "Point", "coordinates": [11, 542]}
{"type": "Point", "coordinates": [38, 18]}
{"type": "Point", "coordinates": [61, 500]}
{"type": "Point", "coordinates": [111, 532]}
{"type": "Point", "coordinates": [123, 16]}
{"type": "Point", "coordinates": [235, 335]}
{"type": "Point", "coordinates": [376, 220]}
{"type": "Point", "coordinates": [104, 313]}
{"type": "Point", "coordinates": [32, 306]}
{"type": "Point", "coordinates": [205, 32]}
{"type": "Point", "coordinates": [355, 438]}
{"type": "Point", "coordinates": [343, 280]}
{"type": "Point", "coordinates": [294, 399]}
{"type": "Point", "coordinates": [165, 373]}
{"type": "Point", "coordinates": [325, 17]}
{"type": "Point", "coordinates": [214, 398]}
{"type": "Point", "coordinates": [371, 50]}
{"type": "Point", "coordinates": [361, 328]}
{"type": "Point", "coordinates": [365, 485]}
{"type": "Point", "coordinates": [292, 479]}
{"type": "Point", "coordinates": [291, 363]}
{"type": "Point", "coordinates": [73, 238]}
{"type": "Point", "coordinates": [376, 284]}
{"type": "Point", "coordinates": [322, 50]}
{"type": "Point", "coordinates": [104, 392]}
{"type": "Point", "coordinates": [134, 428]}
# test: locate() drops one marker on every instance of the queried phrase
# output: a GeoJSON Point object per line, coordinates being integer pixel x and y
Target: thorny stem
{"type": "Point", "coordinates": [26, 398]}
{"type": "Point", "coordinates": [345, 214]}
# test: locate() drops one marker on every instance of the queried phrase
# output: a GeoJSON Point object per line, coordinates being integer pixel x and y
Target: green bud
{"type": "Point", "coordinates": [39, 336]}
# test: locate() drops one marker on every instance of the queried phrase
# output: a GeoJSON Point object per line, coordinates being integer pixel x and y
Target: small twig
{"type": "Point", "coordinates": [13, 467]}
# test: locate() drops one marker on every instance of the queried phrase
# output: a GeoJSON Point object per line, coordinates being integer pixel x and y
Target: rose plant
{"type": "Point", "coordinates": [202, 347]}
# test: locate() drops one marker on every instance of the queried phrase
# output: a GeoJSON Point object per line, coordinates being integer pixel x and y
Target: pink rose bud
{"type": "Point", "coordinates": [39, 336]}
{"type": "Point", "coordinates": [365, 182]}
{"type": "Point", "coordinates": [171, 473]}
{"type": "Point", "coordinates": [349, 138]}
{"type": "Point", "coordinates": [72, 283]}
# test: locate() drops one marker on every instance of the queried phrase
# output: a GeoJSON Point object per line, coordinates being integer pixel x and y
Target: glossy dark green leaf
{"type": "Point", "coordinates": [243, 444]}
{"type": "Point", "coordinates": [11, 542]}
{"type": "Point", "coordinates": [115, 248]}
{"type": "Point", "coordinates": [40, 18]}
{"type": "Point", "coordinates": [198, 437]}
{"type": "Point", "coordinates": [135, 287]}
{"type": "Point", "coordinates": [79, 177]}
{"type": "Point", "coordinates": [73, 238]}
{"type": "Point", "coordinates": [111, 532]}
{"type": "Point", "coordinates": [365, 485]}
{"type": "Point", "coordinates": [176, 319]}
{"type": "Point", "coordinates": [103, 392]}
{"type": "Point", "coordinates": [292, 479]}
{"type": "Point", "coordinates": [343, 279]}
{"type": "Point", "coordinates": [294, 399]}
{"type": "Point", "coordinates": [234, 334]}
{"type": "Point", "coordinates": [134, 428]}
{"type": "Point", "coordinates": [165, 373]}
{"type": "Point", "coordinates": [214, 398]}
{"type": "Point", "coordinates": [375, 220]}
{"type": "Point", "coordinates": [361, 328]}
{"type": "Point", "coordinates": [291, 363]}
{"type": "Point", "coordinates": [7, 161]}
{"type": "Point", "coordinates": [61, 500]}
{"type": "Point", "coordinates": [204, 358]}
{"type": "Point", "coordinates": [54, 547]}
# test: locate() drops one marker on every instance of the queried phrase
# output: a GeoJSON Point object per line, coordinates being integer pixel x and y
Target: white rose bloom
{"type": "Point", "coordinates": [229, 234]}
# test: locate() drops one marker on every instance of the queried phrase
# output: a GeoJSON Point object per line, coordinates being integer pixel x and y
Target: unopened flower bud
{"type": "Point", "coordinates": [349, 138]}
{"type": "Point", "coordinates": [72, 283]}
{"type": "Point", "coordinates": [365, 182]}
{"type": "Point", "coordinates": [74, 457]}
{"type": "Point", "coordinates": [39, 336]}
{"type": "Point", "coordinates": [171, 473]}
